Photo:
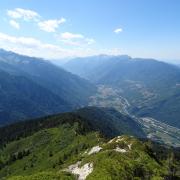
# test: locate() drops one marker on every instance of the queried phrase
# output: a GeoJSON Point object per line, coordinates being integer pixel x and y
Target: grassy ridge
{"type": "Point", "coordinates": [48, 150]}
{"type": "Point", "coordinates": [45, 148]}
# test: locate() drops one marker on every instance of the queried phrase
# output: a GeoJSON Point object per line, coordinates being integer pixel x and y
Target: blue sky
{"type": "Point", "coordinates": [66, 28]}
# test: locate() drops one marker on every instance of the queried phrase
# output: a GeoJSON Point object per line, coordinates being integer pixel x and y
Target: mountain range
{"type": "Point", "coordinates": [100, 117]}
{"type": "Point", "coordinates": [32, 87]}
{"type": "Point", "coordinates": [151, 87]}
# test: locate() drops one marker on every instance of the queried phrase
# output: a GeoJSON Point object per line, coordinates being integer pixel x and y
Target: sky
{"type": "Point", "coordinates": [57, 29]}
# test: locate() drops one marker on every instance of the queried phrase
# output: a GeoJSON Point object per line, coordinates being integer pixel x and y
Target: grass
{"type": "Point", "coordinates": [50, 150]}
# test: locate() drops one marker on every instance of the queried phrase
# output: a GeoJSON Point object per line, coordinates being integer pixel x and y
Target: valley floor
{"type": "Point", "coordinates": [111, 97]}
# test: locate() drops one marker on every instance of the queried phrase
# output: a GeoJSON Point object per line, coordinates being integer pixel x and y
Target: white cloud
{"type": "Point", "coordinates": [34, 47]}
{"type": "Point", "coordinates": [31, 46]}
{"type": "Point", "coordinates": [118, 30]}
{"type": "Point", "coordinates": [90, 41]}
{"type": "Point", "coordinates": [75, 39]}
{"type": "Point", "coordinates": [29, 15]}
{"type": "Point", "coordinates": [51, 25]}
{"type": "Point", "coordinates": [25, 14]}
{"type": "Point", "coordinates": [68, 35]}
{"type": "Point", "coordinates": [14, 24]}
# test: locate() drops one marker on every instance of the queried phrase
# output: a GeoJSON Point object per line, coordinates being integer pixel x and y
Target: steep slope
{"type": "Point", "coordinates": [32, 87]}
{"type": "Point", "coordinates": [67, 147]}
{"type": "Point", "coordinates": [108, 122]}
{"type": "Point", "coordinates": [21, 98]}
{"type": "Point", "coordinates": [111, 122]}
{"type": "Point", "coordinates": [150, 86]}
{"type": "Point", "coordinates": [69, 87]}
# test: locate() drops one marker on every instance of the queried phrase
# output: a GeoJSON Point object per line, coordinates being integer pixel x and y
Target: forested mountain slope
{"type": "Point", "coordinates": [69, 146]}
{"type": "Point", "coordinates": [32, 87]}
